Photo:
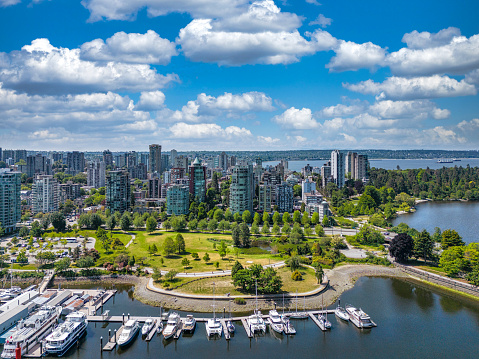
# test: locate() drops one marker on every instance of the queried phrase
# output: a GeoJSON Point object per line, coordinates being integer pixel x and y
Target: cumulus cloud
{"type": "Point", "coordinates": [147, 48]}
{"type": "Point", "coordinates": [5, 3]}
{"type": "Point", "coordinates": [150, 101]}
{"type": "Point", "coordinates": [44, 69]}
{"type": "Point", "coordinates": [341, 110]}
{"type": "Point", "coordinates": [398, 88]}
{"type": "Point", "coordinates": [420, 109]}
{"type": "Point", "coordinates": [423, 40]}
{"type": "Point", "coordinates": [322, 21]}
{"type": "Point", "coordinates": [209, 130]}
{"type": "Point", "coordinates": [127, 9]}
{"type": "Point", "coordinates": [269, 140]}
{"type": "Point", "coordinates": [351, 56]}
{"type": "Point", "coordinates": [297, 119]}
{"type": "Point", "coordinates": [473, 77]}
{"type": "Point", "coordinates": [314, 2]}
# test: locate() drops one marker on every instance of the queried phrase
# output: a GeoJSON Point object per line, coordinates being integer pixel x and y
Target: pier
{"type": "Point", "coordinates": [179, 330]}
{"type": "Point", "coordinates": [225, 329]}
{"type": "Point", "coordinates": [111, 344]}
{"type": "Point", "coordinates": [152, 332]}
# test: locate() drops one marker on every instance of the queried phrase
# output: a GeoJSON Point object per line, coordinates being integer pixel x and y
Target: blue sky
{"type": "Point", "coordinates": [238, 74]}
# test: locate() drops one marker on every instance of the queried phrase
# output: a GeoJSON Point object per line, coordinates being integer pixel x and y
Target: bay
{"type": "Point", "coordinates": [460, 216]}
{"type": "Point", "coordinates": [413, 321]}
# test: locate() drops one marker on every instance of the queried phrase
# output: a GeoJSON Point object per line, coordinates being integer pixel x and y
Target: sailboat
{"type": "Point", "coordinates": [229, 323]}
{"type": "Point", "coordinates": [213, 326]}
{"type": "Point", "coordinates": [296, 314]}
{"type": "Point", "coordinates": [326, 324]}
{"type": "Point", "coordinates": [256, 321]}
{"type": "Point", "coordinates": [287, 326]}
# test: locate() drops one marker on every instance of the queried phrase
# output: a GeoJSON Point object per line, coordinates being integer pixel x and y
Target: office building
{"type": "Point", "coordinates": [75, 162]}
{"type": "Point", "coordinates": [308, 186]}
{"type": "Point", "coordinates": [38, 164]}
{"type": "Point", "coordinates": [154, 159]}
{"type": "Point", "coordinates": [154, 187]}
{"type": "Point", "coordinates": [96, 174]}
{"type": "Point", "coordinates": [173, 155]}
{"type": "Point", "coordinates": [357, 166]}
{"type": "Point", "coordinates": [198, 181]}
{"type": "Point", "coordinates": [284, 198]}
{"type": "Point", "coordinates": [242, 188]}
{"type": "Point", "coordinates": [337, 168]}
{"type": "Point", "coordinates": [165, 162]}
{"type": "Point", "coordinates": [45, 194]}
{"type": "Point", "coordinates": [326, 174]}
{"type": "Point", "coordinates": [118, 191]}
{"type": "Point", "coordinates": [20, 155]}
{"type": "Point", "coordinates": [70, 191]}
{"type": "Point", "coordinates": [57, 157]}
{"type": "Point", "coordinates": [108, 158]}
{"type": "Point", "coordinates": [265, 198]}
{"type": "Point", "coordinates": [223, 161]}
{"type": "Point", "coordinates": [177, 200]}
{"type": "Point", "coordinates": [10, 208]}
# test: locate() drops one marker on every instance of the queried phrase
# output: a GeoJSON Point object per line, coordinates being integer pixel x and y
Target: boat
{"type": "Point", "coordinates": [190, 324]}
{"type": "Point", "coordinates": [442, 160]}
{"type": "Point", "coordinates": [130, 331]}
{"type": "Point", "coordinates": [230, 326]}
{"type": "Point", "coordinates": [359, 318]}
{"type": "Point", "coordinates": [213, 325]}
{"type": "Point", "coordinates": [147, 327]}
{"type": "Point", "coordinates": [296, 314]}
{"type": "Point", "coordinates": [172, 325]}
{"type": "Point", "coordinates": [287, 326]}
{"type": "Point", "coordinates": [456, 159]}
{"type": "Point", "coordinates": [67, 334]}
{"type": "Point", "coordinates": [31, 330]}
{"type": "Point", "coordinates": [325, 323]}
{"type": "Point", "coordinates": [341, 313]}
{"type": "Point", "coordinates": [275, 321]}
{"type": "Point", "coordinates": [159, 329]}
{"type": "Point", "coordinates": [255, 321]}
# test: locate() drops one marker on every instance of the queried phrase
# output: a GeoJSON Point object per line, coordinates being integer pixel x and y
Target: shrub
{"type": "Point", "coordinates": [240, 301]}
{"type": "Point", "coordinates": [296, 275]}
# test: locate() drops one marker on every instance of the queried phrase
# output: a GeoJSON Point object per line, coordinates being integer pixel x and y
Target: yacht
{"type": "Point", "coordinates": [147, 327]}
{"type": "Point", "coordinates": [67, 334]}
{"type": "Point", "coordinates": [31, 331]}
{"type": "Point", "coordinates": [275, 321]}
{"type": "Point", "coordinates": [130, 331]}
{"type": "Point", "coordinates": [359, 318]}
{"type": "Point", "coordinates": [230, 326]}
{"type": "Point", "coordinates": [190, 324]}
{"type": "Point", "coordinates": [214, 327]}
{"type": "Point", "coordinates": [341, 313]}
{"type": "Point", "coordinates": [326, 324]}
{"type": "Point", "coordinates": [172, 325]}
{"type": "Point", "coordinates": [256, 322]}
{"type": "Point", "coordinates": [287, 326]}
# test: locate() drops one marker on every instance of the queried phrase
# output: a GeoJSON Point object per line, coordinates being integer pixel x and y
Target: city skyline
{"type": "Point", "coordinates": [234, 74]}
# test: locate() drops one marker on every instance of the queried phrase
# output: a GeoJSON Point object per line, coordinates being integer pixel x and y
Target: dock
{"type": "Point", "coordinates": [35, 352]}
{"type": "Point", "coordinates": [317, 322]}
{"type": "Point", "coordinates": [112, 342]}
{"type": "Point", "coordinates": [246, 327]}
{"type": "Point", "coordinates": [152, 332]}
{"type": "Point", "coordinates": [225, 329]}
{"type": "Point", "coordinates": [179, 330]}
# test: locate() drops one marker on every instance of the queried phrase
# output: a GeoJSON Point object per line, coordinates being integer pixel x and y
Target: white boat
{"type": "Point", "coordinates": [190, 324]}
{"type": "Point", "coordinates": [359, 318]}
{"type": "Point", "coordinates": [159, 329]}
{"type": "Point", "coordinates": [214, 327]}
{"type": "Point", "coordinates": [147, 327]}
{"type": "Point", "coordinates": [256, 322]}
{"type": "Point", "coordinates": [230, 326]}
{"type": "Point", "coordinates": [287, 326]}
{"type": "Point", "coordinates": [341, 313]}
{"type": "Point", "coordinates": [67, 334]}
{"type": "Point", "coordinates": [296, 314]}
{"type": "Point", "coordinates": [130, 331]}
{"type": "Point", "coordinates": [326, 324]}
{"type": "Point", "coordinates": [172, 325]}
{"type": "Point", "coordinates": [275, 321]}
{"type": "Point", "coordinates": [31, 331]}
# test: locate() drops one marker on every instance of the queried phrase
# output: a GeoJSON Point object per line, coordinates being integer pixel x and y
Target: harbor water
{"type": "Point", "coordinates": [413, 321]}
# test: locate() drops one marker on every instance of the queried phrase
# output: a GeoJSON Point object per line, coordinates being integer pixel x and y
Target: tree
{"type": "Point", "coordinates": [212, 225]}
{"type": "Point", "coordinates": [151, 224]}
{"type": "Point", "coordinates": [45, 222]}
{"type": "Point", "coordinates": [222, 249]}
{"type": "Point", "coordinates": [206, 257]}
{"type": "Point", "coordinates": [437, 236]}
{"type": "Point", "coordinates": [203, 224]}
{"type": "Point", "coordinates": [276, 230]}
{"type": "Point", "coordinates": [286, 218]}
{"type": "Point", "coordinates": [319, 230]}
{"type": "Point", "coordinates": [85, 262]}
{"type": "Point", "coordinates": [169, 246]}
{"type": "Point", "coordinates": [297, 216]}
{"type": "Point", "coordinates": [195, 255]}
{"type": "Point", "coordinates": [36, 231]}
{"type": "Point", "coordinates": [235, 234]}
{"type": "Point", "coordinates": [193, 224]}
{"type": "Point", "coordinates": [265, 217]}
{"type": "Point", "coordinates": [167, 224]}
{"type": "Point", "coordinates": [156, 274]}
{"type": "Point", "coordinates": [237, 217]}
{"type": "Point", "coordinates": [305, 219]}
{"type": "Point", "coordinates": [452, 260]}
{"type": "Point", "coordinates": [185, 262]}
{"type": "Point", "coordinates": [276, 218]}
{"type": "Point", "coordinates": [229, 215]}
{"type": "Point", "coordinates": [180, 243]}
{"type": "Point", "coordinates": [24, 232]}
{"type": "Point", "coordinates": [125, 222]}
{"type": "Point", "coordinates": [401, 247]}
{"type": "Point", "coordinates": [315, 218]}
{"type": "Point", "coordinates": [178, 223]}
{"type": "Point", "coordinates": [325, 221]}
{"type": "Point", "coordinates": [223, 225]}
{"type": "Point", "coordinates": [63, 264]}
{"type": "Point", "coordinates": [244, 235]}
{"type": "Point", "coordinates": [111, 223]}
{"type": "Point", "coordinates": [247, 217]}
{"type": "Point", "coordinates": [319, 273]}
{"type": "Point", "coordinates": [22, 258]}
{"type": "Point", "coordinates": [138, 223]}
{"type": "Point", "coordinates": [95, 221]}
{"type": "Point", "coordinates": [423, 245]}
{"type": "Point", "coordinates": [286, 228]}
{"type": "Point", "coordinates": [45, 257]}
{"type": "Point", "coordinates": [293, 263]}
{"type": "Point", "coordinates": [171, 275]}
{"type": "Point", "coordinates": [254, 228]}
{"type": "Point", "coordinates": [219, 215]}
{"type": "Point", "coordinates": [450, 238]}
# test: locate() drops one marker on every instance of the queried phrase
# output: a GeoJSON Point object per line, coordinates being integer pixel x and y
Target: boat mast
{"type": "Point", "coordinates": [256, 290]}
{"type": "Point", "coordinates": [214, 314]}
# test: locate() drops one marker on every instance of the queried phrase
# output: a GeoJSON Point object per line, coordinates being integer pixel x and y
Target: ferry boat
{"type": "Point", "coordinates": [31, 331]}
{"type": "Point", "coordinates": [172, 325]}
{"type": "Point", "coordinates": [190, 324]}
{"type": "Point", "coordinates": [275, 321]}
{"type": "Point", "coordinates": [147, 327]}
{"type": "Point", "coordinates": [130, 331]}
{"type": "Point", "coordinates": [67, 334]}
{"type": "Point", "coordinates": [443, 160]}
{"type": "Point", "coordinates": [359, 318]}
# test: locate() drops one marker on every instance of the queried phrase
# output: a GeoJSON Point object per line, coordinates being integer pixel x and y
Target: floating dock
{"type": "Point", "coordinates": [111, 344]}
{"type": "Point", "coordinates": [152, 332]}
{"type": "Point", "coordinates": [225, 329]}
{"type": "Point", "coordinates": [246, 327]}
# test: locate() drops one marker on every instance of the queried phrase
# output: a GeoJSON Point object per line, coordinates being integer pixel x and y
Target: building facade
{"type": "Point", "coordinates": [284, 198]}
{"type": "Point", "coordinates": [45, 194]}
{"type": "Point", "coordinates": [96, 174]}
{"type": "Point", "coordinates": [198, 181]}
{"type": "Point", "coordinates": [118, 191]}
{"type": "Point", "coordinates": [308, 186]}
{"type": "Point", "coordinates": [177, 200]}
{"type": "Point", "coordinates": [38, 164]}
{"type": "Point", "coordinates": [154, 159]}
{"type": "Point", "coordinates": [265, 198]}
{"type": "Point", "coordinates": [10, 203]}
{"type": "Point", "coordinates": [108, 158]}
{"type": "Point", "coordinates": [337, 168]}
{"type": "Point", "coordinates": [75, 162]}
{"type": "Point", "coordinates": [242, 189]}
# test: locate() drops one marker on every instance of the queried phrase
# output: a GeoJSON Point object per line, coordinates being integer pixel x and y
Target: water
{"type": "Point", "coordinates": [413, 321]}
{"type": "Point", "coordinates": [460, 216]}
{"type": "Point", "coordinates": [388, 164]}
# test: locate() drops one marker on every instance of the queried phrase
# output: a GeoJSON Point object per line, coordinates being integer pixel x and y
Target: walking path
{"type": "Point", "coordinates": [131, 240]}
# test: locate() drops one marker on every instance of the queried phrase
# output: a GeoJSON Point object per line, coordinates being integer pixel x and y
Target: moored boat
{"type": "Point", "coordinates": [214, 327]}
{"type": "Point", "coordinates": [287, 326]}
{"type": "Point", "coordinates": [129, 333]}
{"type": "Point", "coordinates": [359, 318]}
{"type": "Point", "coordinates": [172, 325]}
{"type": "Point", "coordinates": [190, 324]}
{"type": "Point", "coordinates": [230, 326]}
{"type": "Point", "coordinates": [147, 327]}
{"type": "Point", "coordinates": [256, 322]}
{"type": "Point", "coordinates": [341, 313]}
{"type": "Point", "coordinates": [275, 322]}
{"type": "Point", "coordinates": [67, 334]}
{"type": "Point", "coordinates": [326, 324]}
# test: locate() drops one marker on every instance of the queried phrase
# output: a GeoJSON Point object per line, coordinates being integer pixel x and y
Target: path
{"type": "Point", "coordinates": [131, 240]}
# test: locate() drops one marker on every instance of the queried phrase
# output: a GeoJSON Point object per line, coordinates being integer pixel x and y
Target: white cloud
{"type": "Point", "coordinates": [351, 56]}
{"type": "Point", "coordinates": [147, 48]}
{"type": "Point", "coordinates": [341, 110]}
{"type": "Point", "coordinates": [348, 138]}
{"type": "Point", "coordinates": [422, 40]}
{"type": "Point", "coordinates": [268, 139]}
{"type": "Point", "coordinates": [5, 3]}
{"type": "Point", "coordinates": [296, 119]}
{"type": "Point", "coordinates": [43, 68]}
{"type": "Point", "coordinates": [473, 77]}
{"type": "Point", "coordinates": [314, 2]}
{"type": "Point", "coordinates": [472, 125]}
{"type": "Point", "coordinates": [420, 109]}
{"type": "Point", "coordinates": [209, 130]}
{"type": "Point", "coordinates": [127, 9]}
{"type": "Point", "coordinates": [146, 125]}
{"type": "Point", "coordinates": [414, 88]}
{"type": "Point", "coordinates": [439, 134]}
{"type": "Point", "coordinates": [151, 101]}
{"type": "Point", "coordinates": [322, 21]}
{"type": "Point", "coordinates": [300, 138]}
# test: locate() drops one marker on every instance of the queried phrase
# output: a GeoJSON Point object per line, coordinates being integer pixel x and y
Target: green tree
{"type": "Point", "coordinates": [423, 245]}
{"type": "Point", "coordinates": [203, 225]}
{"type": "Point", "coordinates": [206, 257]}
{"type": "Point", "coordinates": [193, 224]}
{"type": "Point", "coordinates": [297, 216]}
{"type": "Point", "coordinates": [305, 219]}
{"type": "Point", "coordinates": [24, 232]}
{"type": "Point", "coordinates": [265, 228]}
{"type": "Point", "coordinates": [63, 264]}
{"type": "Point", "coordinates": [22, 258]}
{"type": "Point", "coordinates": [286, 228]}
{"type": "Point", "coordinates": [236, 267]}
{"type": "Point", "coordinates": [276, 218]}
{"type": "Point", "coordinates": [95, 221]}
{"type": "Point", "coordinates": [235, 234]}
{"type": "Point", "coordinates": [111, 223]}
{"type": "Point", "coordinates": [276, 230]}
{"type": "Point", "coordinates": [293, 263]}
{"type": "Point", "coordinates": [319, 273]}
{"type": "Point", "coordinates": [247, 217]}
{"type": "Point", "coordinates": [178, 223]}
{"type": "Point", "coordinates": [315, 218]}
{"type": "Point", "coordinates": [224, 225]}
{"type": "Point", "coordinates": [212, 225]}
{"type": "Point", "coordinates": [125, 222]}
{"type": "Point", "coordinates": [169, 246]}
{"type": "Point", "coordinates": [222, 249]}
{"type": "Point", "coordinates": [151, 224]}
{"type": "Point", "coordinates": [265, 217]}
{"type": "Point", "coordinates": [171, 275]}
{"type": "Point", "coordinates": [286, 218]}
{"type": "Point", "coordinates": [254, 228]}
{"type": "Point", "coordinates": [319, 230]}
{"type": "Point", "coordinates": [229, 215]}
{"type": "Point", "coordinates": [195, 255]}
{"type": "Point", "coordinates": [325, 221]}
{"type": "Point", "coordinates": [156, 274]}
{"type": "Point", "coordinates": [180, 243]}
{"type": "Point", "coordinates": [452, 261]}
{"type": "Point", "coordinates": [45, 221]}
{"type": "Point", "coordinates": [450, 238]}
{"type": "Point", "coordinates": [185, 262]}
{"type": "Point", "coordinates": [244, 235]}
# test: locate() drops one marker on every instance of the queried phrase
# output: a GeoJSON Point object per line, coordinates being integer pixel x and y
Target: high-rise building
{"type": "Point", "coordinates": [181, 162]}
{"type": "Point", "coordinates": [96, 172]}
{"type": "Point", "coordinates": [176, 174]}
{"type": "Point", "coordinates": [118, 191]}
{"type": "Point", "coordinates": [45, 194]}
{"type": "Point", "coordinates": [284, 197]}
{"type": "Point", "coordinates": [307, 186]}
{"type": "Point", "coordinates": [173, 155]}
{"type": "Point", "coordinates": [165, 162]}
{"type": "Point", "coordinates": [8, 154]}
{"type": "Point", "coordinates": [69, 190]}
{"type": "Point", "coordinates": [1, 154]}
{"type": "Point", "coordinates": [223, 161]}
{"type": "Point", "coordinates": [138, 172]}
{"type": "Point", "coordinates": [108, 158]}
{"type": "Point", "coordinates": [10, 209]}
{"type": "Point", "coordinates": [177, 200]}
{"type": "Point", "coordinates": [326, 174]}
{"type": "Point", "coordinates": [38, 164]}
{"type": "Point", "coordinates": [154, 187]}
{"type": "Point", "coordinates": [361, 168]}
{"type": "Point", "coordinates": [131, 159]}
{"type": "Point", "coordinates": [242, 188]}
{"type": "Point", "coordinates": [75, 162]}
{"type": "Point", "coordinates": [154, 159]}
{"type": "Point", "coordinates": [20, 155]}
{"type": "Point", "coordinates": [337, 167]}
{"type": "Point", "coordinates": [145, 159]}
{"type": "Point", "coordinates": [265, 197]}
{"type": "Point", "coordinates": [233, 161]}
{"type": "Point", "coordinates": [198, 180]}
{"type": "Point", "coordinates": [57, 156]}
{"type": "Point", "coordinates": [348, 162]}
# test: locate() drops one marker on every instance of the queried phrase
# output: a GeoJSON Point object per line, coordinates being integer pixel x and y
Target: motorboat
{"type": "Point", "coordinates": [275, 321]}
{"type": "Point", "coordinates": [214, 327]}
{"type": "Point", "coordinates": [341, 313]}
{"type": "Point", "coordinates": [230, 326]}
{"type": "Point", "coordinates": [159, 329]}
{"type": "Point", "coordinates": [172, 325]}
{"type": "Point", "coordinates": [190, 324]}
{"type": "Point", "coordinates": [130, 331]}
{"type": "Point", "coordinates": [31, 330]}
{"type": "Point", "coordinates": [359, 318]}
{"type": "Point", "coordinates": [256, 322]}
{"type": "Point", "coordinates": [287, 326]}
{"type": "Point", "coordinates": [147, 327]}
{"type": "Point", "coordinates": [325, 323]}
{"type": "Point", "coordinates": [67, 334]}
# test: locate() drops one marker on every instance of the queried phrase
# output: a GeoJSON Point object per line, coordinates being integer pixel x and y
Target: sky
{"type": "Point", "coordinates": [239, 75]}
